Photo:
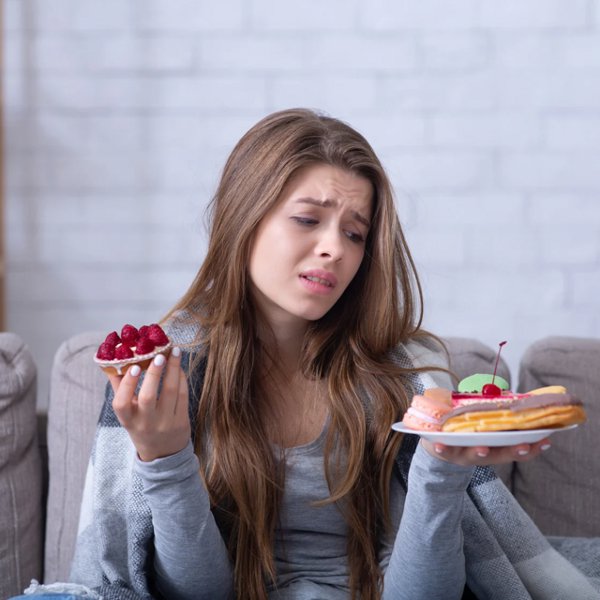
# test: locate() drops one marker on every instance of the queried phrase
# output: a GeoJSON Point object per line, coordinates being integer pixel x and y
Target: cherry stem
{"type": "Point", "coordinates": [497, 359]}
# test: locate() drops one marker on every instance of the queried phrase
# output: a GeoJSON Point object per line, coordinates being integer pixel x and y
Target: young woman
{"type": "Point", "coordinates": [258, 460]}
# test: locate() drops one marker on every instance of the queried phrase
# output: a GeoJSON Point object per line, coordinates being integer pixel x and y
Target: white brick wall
{"type": "Point", "coordinates": [120, 114]}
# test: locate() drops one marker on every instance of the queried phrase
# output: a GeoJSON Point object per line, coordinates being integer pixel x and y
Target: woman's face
{"type": "Point", "coordinates": [309, 246]}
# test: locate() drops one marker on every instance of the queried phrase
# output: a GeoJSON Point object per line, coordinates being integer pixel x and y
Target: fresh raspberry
{"type": "Point", "coordinates": [106, 351]}
{"type": "Point", "coordinates": [157, 335]}
{"type": "Point", "coordinates": [144, 331]}
{"type": "Point", "coordinates": [123, 351]}
{"type": "Point", "coordinates": [145, 346]}
{"type": "Point", "coordinates": [112, 338]}
{"type": "Point", "coordinates": [129, 335]}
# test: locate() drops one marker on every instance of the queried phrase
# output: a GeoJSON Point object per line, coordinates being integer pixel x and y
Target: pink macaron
{"type": "Point", "coordinates": [427, 412]}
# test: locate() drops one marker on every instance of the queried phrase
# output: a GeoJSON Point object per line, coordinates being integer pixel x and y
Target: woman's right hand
{"type": "Point", "coordinates": [158, 424]}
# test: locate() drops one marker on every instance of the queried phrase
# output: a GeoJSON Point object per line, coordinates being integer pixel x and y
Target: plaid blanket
{"type": "Point", "coordinates": [507, 558]}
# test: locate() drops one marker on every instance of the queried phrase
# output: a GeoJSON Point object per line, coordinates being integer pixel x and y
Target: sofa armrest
{"type": "Point", "coordinates": [560, 489]}
{"type": "Point", "coordinates": [20, 469]}
{"type": "Point", "coordinates": [76, 397]}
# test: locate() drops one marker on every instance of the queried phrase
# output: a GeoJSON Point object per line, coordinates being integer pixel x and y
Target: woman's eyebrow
{"type": "Point", "coordinates": [329, 203]}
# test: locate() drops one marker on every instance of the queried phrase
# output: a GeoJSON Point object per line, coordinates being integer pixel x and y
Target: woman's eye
{"type": "Point", "coordinates": [305, 220]}
{"type": "Point", "coordinates": [355, 237]}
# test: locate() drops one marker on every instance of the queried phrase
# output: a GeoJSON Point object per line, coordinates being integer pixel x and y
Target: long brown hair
{"type": "Point", "coordinates": [348, 348]}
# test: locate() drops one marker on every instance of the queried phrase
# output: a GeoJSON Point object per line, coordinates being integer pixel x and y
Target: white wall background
{"type": "Point", "coordinates": [120, 114]}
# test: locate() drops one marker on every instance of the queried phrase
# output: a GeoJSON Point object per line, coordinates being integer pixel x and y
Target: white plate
{"type": "Point", "coordinates": [483, 438]}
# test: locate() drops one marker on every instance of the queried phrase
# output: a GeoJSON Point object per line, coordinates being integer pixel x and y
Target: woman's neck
{"type": "Point", "coordinates": [284, 346]}
{"type": "Point", "coordinates": [296, 406]}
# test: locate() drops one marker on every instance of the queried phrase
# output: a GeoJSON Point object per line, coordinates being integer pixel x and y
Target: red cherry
{"type": "Point", "coordinates": [491, 389]}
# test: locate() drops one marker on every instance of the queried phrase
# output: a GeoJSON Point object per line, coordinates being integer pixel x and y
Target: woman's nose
{"type": "Point", "coordinates": [330, 244]}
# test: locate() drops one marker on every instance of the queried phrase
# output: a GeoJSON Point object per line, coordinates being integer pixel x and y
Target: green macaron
{"type": "Point", "coordinates": [473, 384]}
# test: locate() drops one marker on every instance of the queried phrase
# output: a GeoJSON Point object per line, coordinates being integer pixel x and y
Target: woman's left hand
{"type": "Point", "coordinates": [485, 455]}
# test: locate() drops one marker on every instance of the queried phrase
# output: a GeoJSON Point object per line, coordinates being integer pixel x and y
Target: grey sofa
{"type": "Point", "coordinates": [43, 457]}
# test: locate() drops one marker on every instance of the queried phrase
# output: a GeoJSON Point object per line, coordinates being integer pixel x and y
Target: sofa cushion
{"type": "Point", "coordinates": [561, 489]}
{"type": "Point", "coordinates": [20, 469]}
{"type": "Point", "coordinates": [76, 397]}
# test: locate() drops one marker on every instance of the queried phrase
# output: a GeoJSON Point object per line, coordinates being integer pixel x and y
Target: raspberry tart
{"type": "Point", "coordinates": [133, 347]}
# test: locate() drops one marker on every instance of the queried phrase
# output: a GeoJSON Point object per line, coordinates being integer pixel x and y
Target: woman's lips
{"type": "Point", "coordinates": [318, 281]}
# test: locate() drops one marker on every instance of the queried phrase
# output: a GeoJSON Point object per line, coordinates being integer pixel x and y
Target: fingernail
{"type": "Point", "coordinates": [523, 452]}
{"type": "Point", "coordinates": [438, 449]}
{"type": "Point", "coordinates": [176, 351]}
{"type": "Point", "coordinates": [545, 447]}
{"type": "Point", "coordinates": [135, 370]}
{"type": "Point", "coordinates": [159, 360]}
{"type": "Point", "coordinates": [482, 454]}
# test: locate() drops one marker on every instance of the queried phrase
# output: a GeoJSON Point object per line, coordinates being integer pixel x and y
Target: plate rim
{"type": "Point", "coordinates": [490, 436]}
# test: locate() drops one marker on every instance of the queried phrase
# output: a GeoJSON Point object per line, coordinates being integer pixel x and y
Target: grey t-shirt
{"type": "Point", "coordinates": [422, 559]}
{"type": "Point", "coordinates": [310, 544]}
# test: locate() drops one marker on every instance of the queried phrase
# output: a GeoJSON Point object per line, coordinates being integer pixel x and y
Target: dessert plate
{"type": "Point", "coordinates": [483, 438]}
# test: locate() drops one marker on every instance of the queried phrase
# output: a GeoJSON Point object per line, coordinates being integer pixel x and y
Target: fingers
{"type": "Point", "coordinates": [481, 451]}
{"type": "Point", "coordinates": [148, 394]}
{"type": "Point", "coordinates": [173, 389]}
{"type": "Point", "coordinates": [125, 393]}
{"type": "Point", "coordinates": [174, 386]}
{"type": "Point", "coordinates": [524, 452]}
{"type": "Point", "coordinates": [183, 397]}
{"type": "Point", "coordinates": [162, 388]}
{"type": "Point", "coordinates": [484, 455]}
{"type": "Point", "coordinates": [466, 456]}
{"type": "Point", "coordinates": [545, 445]}
{"type": "Point", "coordinates": [528, 451]}
{"type": "Point", "coordinates": [115, 380]}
